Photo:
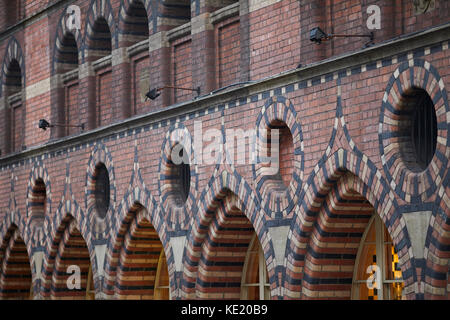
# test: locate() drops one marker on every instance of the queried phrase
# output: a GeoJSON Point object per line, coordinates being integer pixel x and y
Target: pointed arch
{"type": "Point", "coordinates": [69, 245]}
{"type": "Point", "coordinates": [66, 47]}
{"type": "Point", "coordinates": [16, 272]}
{"type": "Point", "coordinates": [342, 181]}
{"type": "Point", "coordinates": [12, 98]}
{"type": "Point", "coordinates": [13, 54]}
{"type": "Point", "coordinates": [100, 31]}
{"type": "Point", "coordinates": [134, 22]}
{"type": "Point", "coordinates": [226, 222]}
{"type": "Point", "coordinates": [134, 252]}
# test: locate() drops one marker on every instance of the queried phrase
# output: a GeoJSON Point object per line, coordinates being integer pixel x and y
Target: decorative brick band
{"type": "Point", "coordinates": [278, 204]}
{"type": "Point", "coordinates": [413, 187]}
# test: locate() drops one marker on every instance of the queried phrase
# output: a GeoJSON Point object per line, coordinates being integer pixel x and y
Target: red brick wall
{"type": "Point", "coordinates": [72, 112]}
{"type": "Point", "coordinates": [141, 72]}
{"type": "Point", "coordinates": [274, 39]}
{"type": "Point", "coordinates": [17, 120]}
{"type": "Point", "coordinates": [228, 52]}
{"type": "Point", "coordinates": [104, 96]}
{"type": "Point", "coordinates": [37, 69]}
{"type": "Point", "coordinates": [182, 69]}
{"type": "Point", "coordinates": [33, 6]}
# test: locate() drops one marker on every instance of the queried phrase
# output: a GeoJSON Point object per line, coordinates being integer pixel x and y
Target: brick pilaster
{"type": "Point", "coordinates": [57, 98]}
{"type": "Point", "coordinates": [87, 94]}
{"type": "Point", "coordinates": [203, 53]}
{"type": "Point", "coordinates": [121, 84]}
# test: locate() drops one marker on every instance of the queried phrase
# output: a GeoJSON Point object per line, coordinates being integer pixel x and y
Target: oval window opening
{"type": "Point", "coordinates": [102, 190]}
{"type": "Point", "coordinates": [181, 175]}
{"type": "Point", "coordinates": [418, 129]}
{"type": "Point", "coordinates": [285, 153]}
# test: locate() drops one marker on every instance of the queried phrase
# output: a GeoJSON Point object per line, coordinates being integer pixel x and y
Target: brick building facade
{"type": "Point", "coordinates": [363, 175]}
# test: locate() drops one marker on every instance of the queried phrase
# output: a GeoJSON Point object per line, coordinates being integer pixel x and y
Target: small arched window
{"type": "Point", "coordinates": [255, 281]}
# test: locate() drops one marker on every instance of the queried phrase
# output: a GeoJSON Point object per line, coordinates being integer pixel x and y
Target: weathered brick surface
{"type": "Point", "coordinates": [338, 147]}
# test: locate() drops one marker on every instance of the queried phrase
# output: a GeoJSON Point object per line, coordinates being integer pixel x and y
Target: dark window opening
{"type": "Point", "coordinates": [418, 129]}
{"type": "Point", "coordinates": [181, 177]}
{"type": "Point", "coordinates": [102, 190]}
{"type": "Point", "coordinates": [285, 153]}
{"type": "Point", "coordinates": [136, 21]}
{"type": "Point", "coordinates": [13, 79]}
{"type": "Point", "coordinates": [101, 38]}
{"type": "Point", "coordinates": [68, 53]}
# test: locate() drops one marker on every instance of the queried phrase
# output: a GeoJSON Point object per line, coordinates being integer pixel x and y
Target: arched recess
{"type": "Point", "coordinates": [65, 89]}
{"type": "Point", "coordinates": [327, 230]}
{"type": "Point", "coordinates": [100, 36]}
{"type": "Point", "coordinates": [68, 265]}
{"type": "Point", "coordinates": [377, 274]}
{"type": "Point", "coordinates": [220, 238]}
{"type": "Point", "coordinates": [133, 22]}
{"type": "Point", "coordinates": [12, 84]}
{"type": "Point", "coordinates": [137, 261]}
{"type": "Point", "coordinates": [15, 270]}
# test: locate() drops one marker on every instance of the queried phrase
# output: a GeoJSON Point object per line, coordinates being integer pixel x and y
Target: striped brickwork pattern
{"type": "Point", "coordinates": [335, 238]}
{"type": "Point", "coordinates": [13, 63]}
{"type": "Point", "coordinates": [38, 205]}
{"type": "Point", "coordinates": [220, 237]}
{"type": "Point", "coordinates": [67, 45]}
{"type": "Point", "coordinates": [71, 251]}
{"type": "Point", "coordinates": [15, 271]}
{"type": "Point", "coordinates": [100, 31]}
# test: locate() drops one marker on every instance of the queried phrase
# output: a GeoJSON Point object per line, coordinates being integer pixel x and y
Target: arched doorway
{"type": "Point", "coordinates": [255, 280]}
{"type": "Point", "coordinates": [142, 272]}
{"type": "Point", "coordinates": [230, 261]}
{"type": "Point", "coordinates": [72, 273]}
{"type": "Point", "coordinates": [342, 241]}
{"type": "Point", "coordinates": [377, 274]}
